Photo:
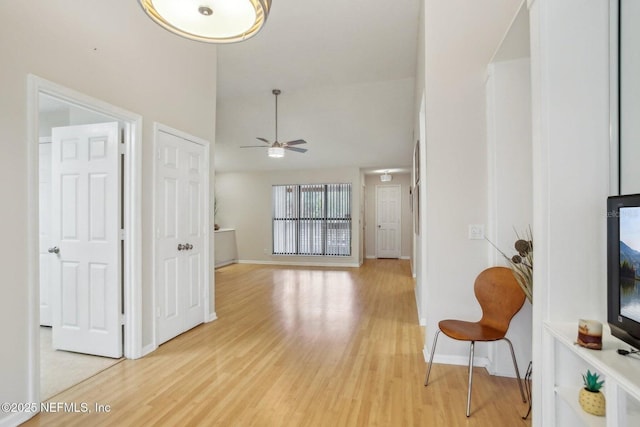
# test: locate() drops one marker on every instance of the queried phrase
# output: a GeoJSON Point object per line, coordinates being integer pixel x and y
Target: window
{"type": "Point", "coordinates": [312, 219]}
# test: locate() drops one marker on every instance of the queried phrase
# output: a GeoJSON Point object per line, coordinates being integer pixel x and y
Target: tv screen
{"type": "Point", "coordinates": [623, 267]}
{"type": "Point", "coordinates": [630, 262]}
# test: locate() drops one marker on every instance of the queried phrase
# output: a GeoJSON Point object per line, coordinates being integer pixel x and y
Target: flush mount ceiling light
{"type": "Point", "coordinates": [385, 177]}
{"type": "Point", "coordinates": [212, 21]}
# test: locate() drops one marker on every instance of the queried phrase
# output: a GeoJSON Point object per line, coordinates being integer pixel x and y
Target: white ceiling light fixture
{"type": "Point", "coordinates": [276, 151]}
{"type": "Point", "coordinates": [212, 21]}
{"type": "Point", "coordinates": [386, 177]}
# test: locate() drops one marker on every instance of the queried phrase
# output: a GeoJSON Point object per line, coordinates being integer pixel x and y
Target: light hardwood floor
{"type": "Point", "coordinates": [296, 347]}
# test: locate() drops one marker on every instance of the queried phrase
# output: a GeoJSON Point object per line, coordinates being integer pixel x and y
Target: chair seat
{"type": "Point", "coordinates": [469, 331]}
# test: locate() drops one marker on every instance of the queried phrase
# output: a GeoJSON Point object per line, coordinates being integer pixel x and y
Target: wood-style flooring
{"type": "Point", "coordinates": [296, 346]}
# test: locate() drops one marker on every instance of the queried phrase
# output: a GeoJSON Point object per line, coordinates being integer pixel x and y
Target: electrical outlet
{"type": "Point", "coordinates": [476, 231]}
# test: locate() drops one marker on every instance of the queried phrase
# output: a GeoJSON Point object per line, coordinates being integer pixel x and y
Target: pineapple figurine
{"type": "Point", "coordinates": [590, 398]}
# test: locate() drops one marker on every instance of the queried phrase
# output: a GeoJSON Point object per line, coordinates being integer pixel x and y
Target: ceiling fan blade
{"type": "Point", "coordinates": [296, 142]}
{"type": "Point", "coordinates": [263, 140]}
{"type": "Point", "coordinates": [296, 149]}
{"type": "Point", "coordinates": [253, 146]}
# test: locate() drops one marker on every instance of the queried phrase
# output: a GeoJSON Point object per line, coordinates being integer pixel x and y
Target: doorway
{"type": "Point", "coordinates": [51, 104]}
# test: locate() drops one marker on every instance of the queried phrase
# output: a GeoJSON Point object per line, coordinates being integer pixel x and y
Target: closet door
{"type": "Point", "coordinates": [180, 235]}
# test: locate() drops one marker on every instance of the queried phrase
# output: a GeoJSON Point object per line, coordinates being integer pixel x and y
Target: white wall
{"type": "Point", "coordinates": [630, 106]}
{"type": "Point", "coordinates": [110, 51]}
{"type": "Point", "coordinates": [570, 104]}
{"type": "Point", "coordinates": [510, 188]}
{"type": "Point", "coordinates": [406, 237]}
{"type": "Point", "coordinates": [244, 204]}
{"type": "Point", "coordinates": [419, 130]}
{"type": "Point", "coordinates": [456, 158]}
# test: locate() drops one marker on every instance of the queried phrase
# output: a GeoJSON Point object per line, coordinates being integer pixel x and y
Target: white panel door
{"type": "Point", "coordinates": [388, 230]}
{"type": "Point", "coordinates": [46, 258]}
{"type": "Point", "coordinates": [85, 226]}
{"type": "Point", "coordinates": [180, 239]}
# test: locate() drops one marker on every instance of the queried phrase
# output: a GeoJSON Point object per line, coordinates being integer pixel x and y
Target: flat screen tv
{"type": "Point", "coordinates": [623, 268]}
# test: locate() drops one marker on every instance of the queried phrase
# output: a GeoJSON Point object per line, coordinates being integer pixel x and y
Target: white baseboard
{"type": "Point", "coordinates": [375, 257]}
{"type": "Point", "coordinates": [17, 418]}
{"type": "Point", "coordinates": [482, 362]}
{"type": "Point", "coordinates": [223, 263]}
{"type": "Point", "coordinates": [212, 316]}
{"type": "Point", "coordinates": [299, 264]}
{"type": "Point", "coordinates": [422, 321]}
{"type": "Point", "coordinates": [449, 359]}
{"type": "Point", "coordinates": [510, 374]}
{"type": "Point", "coordinates": [148, 349]}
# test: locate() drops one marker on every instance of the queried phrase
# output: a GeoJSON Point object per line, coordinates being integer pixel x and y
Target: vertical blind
{"type": "Point", "coordinates": [312, 219]}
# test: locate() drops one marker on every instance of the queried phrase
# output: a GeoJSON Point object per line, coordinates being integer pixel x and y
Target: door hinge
{"type": "Point", "coordinates": [122, 234]}
{"type": "Point", "coordinates": [122, 319]}
{"type": "Point", "coordinates": [121, 148]}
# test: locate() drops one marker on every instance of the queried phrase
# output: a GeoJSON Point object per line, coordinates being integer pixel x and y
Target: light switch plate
{"type": "Point", "coordinates": [476, 231]}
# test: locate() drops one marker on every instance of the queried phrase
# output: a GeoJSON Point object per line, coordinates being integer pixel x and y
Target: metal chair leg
{"type": "Point", "coordinates": [470, 378]}
{"type": "Point", "coordinates": [515, 365]}
{"type": "Point", "coordinates": [433, 350]}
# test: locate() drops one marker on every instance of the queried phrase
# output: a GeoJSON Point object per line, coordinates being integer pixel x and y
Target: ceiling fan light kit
{"type": "Point", "coordinates": [277, 149]}
{"type": "Point", "coordinates": [276, 152]}
{"type": "Point", "coordinates": [211, 21]}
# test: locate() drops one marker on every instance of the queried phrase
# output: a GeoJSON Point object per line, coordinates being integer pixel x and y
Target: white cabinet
{"type": "Point", "coordinates": [568, 362]}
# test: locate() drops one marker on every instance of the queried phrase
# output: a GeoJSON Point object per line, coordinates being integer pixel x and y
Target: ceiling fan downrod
{"type": "Point", "coordinates": [276, 92]}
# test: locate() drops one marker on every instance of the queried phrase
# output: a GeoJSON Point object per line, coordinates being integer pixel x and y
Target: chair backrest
{"type": "Point", "coordinates": [499, 295]}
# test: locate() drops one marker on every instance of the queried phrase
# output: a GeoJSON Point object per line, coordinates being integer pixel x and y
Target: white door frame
{"type": "Point", "coordinates": [132, 283]}
{"type": "Point", "coordinates": [44, 142]}
{"type": "Point", "coordinates": [159, 127]}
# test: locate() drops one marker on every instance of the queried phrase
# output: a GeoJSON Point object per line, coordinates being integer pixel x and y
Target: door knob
{"type": "Point", "coordinates": [189, 246]}
{"type": "Point", "coordinates": [181, 247]}
{"type": "Point", "coordinates": [54, 250]}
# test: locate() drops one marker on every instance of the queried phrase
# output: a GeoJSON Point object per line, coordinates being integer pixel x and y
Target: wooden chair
{"type": "Point", "coordinates": [500, 298]}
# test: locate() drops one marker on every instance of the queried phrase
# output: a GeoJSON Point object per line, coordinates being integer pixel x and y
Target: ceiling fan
{"type": "Point", "coordinates": [276, 148]}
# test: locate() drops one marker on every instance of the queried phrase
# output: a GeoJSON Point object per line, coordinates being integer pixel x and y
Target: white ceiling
{"type": "Point", "coordinates": [323, 43]}
{"type": "Point", "coordinates": [332, 60]}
